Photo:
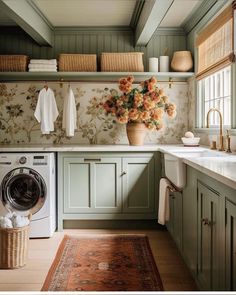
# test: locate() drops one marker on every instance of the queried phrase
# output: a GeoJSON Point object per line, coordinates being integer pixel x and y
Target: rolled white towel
{"type": "Point", "coordinates": [5, 222]}
{"type": "Point", "coordinates": [44, 61]}
{"type": "Point", "coordinates": [41, 66]}
{"type": "Point", "coordinates": [19, 221]}
{"type": "Point", "coordinates": [42, 70]}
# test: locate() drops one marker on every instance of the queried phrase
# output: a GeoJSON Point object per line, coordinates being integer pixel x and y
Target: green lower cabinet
{"type": "Point", "coordinates": [174, 225]}
{"type": "Point", "coordinates": [230, 246]}
{"type": "Point", "coordinates": [92, 185]}
{"type": "Point", "coordinates": [107, 186]}
{"type": "Point", "coordinates": [138, 185]}
{"type": "Point", "coordinates": [208, 238]}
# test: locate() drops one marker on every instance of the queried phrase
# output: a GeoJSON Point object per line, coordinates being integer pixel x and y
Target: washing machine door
{"type": "Point", "coordinates": [23, 189]}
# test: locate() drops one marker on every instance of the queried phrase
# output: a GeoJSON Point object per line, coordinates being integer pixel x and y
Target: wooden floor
{"type": "Point", "coordinates": [174, 274]}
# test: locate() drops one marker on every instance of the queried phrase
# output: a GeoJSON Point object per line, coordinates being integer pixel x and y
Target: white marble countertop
{"type": "Point", "coordinates": [222, 167]}
{"type": "Point", "coordinates": [78, 148]}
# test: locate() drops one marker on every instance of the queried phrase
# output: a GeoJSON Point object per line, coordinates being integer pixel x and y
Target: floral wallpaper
{"type": "Point", "coordinates": [18, 124]}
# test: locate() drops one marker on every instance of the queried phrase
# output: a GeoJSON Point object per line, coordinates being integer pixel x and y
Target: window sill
{"type": "Point", "coordinates": [214, 131]}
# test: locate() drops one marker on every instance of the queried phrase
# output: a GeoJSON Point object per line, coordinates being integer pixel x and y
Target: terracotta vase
{"type": "Point", "coordinates": [182, 61]}
{"type": "Point", "coordinates": [136, 133]}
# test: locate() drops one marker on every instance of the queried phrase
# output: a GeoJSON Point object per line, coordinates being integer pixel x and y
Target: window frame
{"type": "Point", "coordinates": [199, 120]}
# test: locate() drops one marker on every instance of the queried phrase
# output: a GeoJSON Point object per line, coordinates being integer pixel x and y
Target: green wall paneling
{"type": "Point", "coordinates": [71, 40]}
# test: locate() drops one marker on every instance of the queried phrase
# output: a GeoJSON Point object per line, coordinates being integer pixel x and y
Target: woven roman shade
{"type": "Point", "coordinates": [215, 44]}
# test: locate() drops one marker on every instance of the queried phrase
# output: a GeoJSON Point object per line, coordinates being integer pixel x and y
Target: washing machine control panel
{"type": "Point", "coordinates": [40, 160]}
{"type": "Point", "coordinates": [22, 160]}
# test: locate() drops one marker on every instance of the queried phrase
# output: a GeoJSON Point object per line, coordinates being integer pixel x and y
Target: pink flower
{"type": "Point", "coordinates": [149, 104]}
{"type": "Point", "coordinates": [133, 114]}
{"type": "Point", "coordinates": [157, 114]}
{"type": "Point", "coordinates": [145, 115]}
{"type": "Point", "coordinates": [138, 99]}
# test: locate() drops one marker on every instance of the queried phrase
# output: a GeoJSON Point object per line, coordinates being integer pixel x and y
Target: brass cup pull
{"type": "Point", "coordinates": [206, 221]}
{"type": "Point", "coordinates": [123, 173]}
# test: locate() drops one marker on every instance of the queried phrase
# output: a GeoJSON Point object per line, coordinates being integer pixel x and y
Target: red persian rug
{"type": "Point", "coordinates": [104, 263]}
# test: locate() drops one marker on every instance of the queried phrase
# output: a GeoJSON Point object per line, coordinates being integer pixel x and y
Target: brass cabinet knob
{"type": "Point", "coordinates": [206, 221]}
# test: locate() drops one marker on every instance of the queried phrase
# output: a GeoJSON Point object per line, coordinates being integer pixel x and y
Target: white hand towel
{"type": "Point", "coordinates": [44, 61]}
{"type": "Point", "coordinates": [69, 122]}
{"type": "Point", "coordinates": [46, 110]}
{"type": "Point", "coordinates": [42, 66]}
{"type": "Point", "coordinates": [164, 206]}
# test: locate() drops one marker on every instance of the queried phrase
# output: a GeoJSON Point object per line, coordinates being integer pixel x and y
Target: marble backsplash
{"type": "Point", "coordinates": [18, 124]}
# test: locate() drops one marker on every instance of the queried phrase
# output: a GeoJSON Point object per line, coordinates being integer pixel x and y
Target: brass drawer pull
{"type": "Point", "coordinates": [92, 160]}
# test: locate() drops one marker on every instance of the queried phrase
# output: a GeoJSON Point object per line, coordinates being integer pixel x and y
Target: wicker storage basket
{"type": "Point", "coordinates": [122, 62]}
{"type": "Point", "coordinates": [78, 62]}
{"type": "Point", "coordinates": [13, 63]}
{"type": "Point", "coordinates": [13, 247]}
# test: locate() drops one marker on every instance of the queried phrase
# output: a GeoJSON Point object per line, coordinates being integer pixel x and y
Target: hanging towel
{"type": "Point", "coordinates": [44, 61]}
{"type": "Point", "coordinates": [46, 110]}
{"type": "Point", "coordinates": [69, 122]}
{"type": "Point", "coordinates": [164, 206]}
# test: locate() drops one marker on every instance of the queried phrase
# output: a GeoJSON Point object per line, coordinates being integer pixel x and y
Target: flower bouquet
{"type": "Point", "coordinates": [140, 108]}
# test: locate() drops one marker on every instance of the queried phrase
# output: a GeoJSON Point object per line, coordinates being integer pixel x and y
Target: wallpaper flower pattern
{"type": "Point", "coordinates": [18, 124]}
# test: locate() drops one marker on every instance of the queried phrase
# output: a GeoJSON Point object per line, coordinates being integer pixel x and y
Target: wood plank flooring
{"type": "Point", "coordinates": [174, 274]}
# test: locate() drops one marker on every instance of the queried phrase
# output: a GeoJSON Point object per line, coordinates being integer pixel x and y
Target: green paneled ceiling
{"type": "Point", "coordinates": [39, 18]}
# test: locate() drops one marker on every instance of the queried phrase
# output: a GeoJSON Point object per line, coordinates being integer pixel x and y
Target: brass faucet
{"type": "Point", "coordinates": [221, 148]}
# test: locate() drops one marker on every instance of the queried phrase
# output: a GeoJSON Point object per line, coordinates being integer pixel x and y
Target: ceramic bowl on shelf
{"type": "Point", "coordinates": [188, 141]}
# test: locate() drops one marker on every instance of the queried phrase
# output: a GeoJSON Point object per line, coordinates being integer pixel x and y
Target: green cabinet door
{"type": "Point", "coordinates": [91, 185]}
{"type": "Point", "coordinates": [138, 185]}
{"type": "Point", "coordinates": [230, 246]}
{"type": "Point", "coordinates": [174, 225]}
{"type": "Point", "coordinates": [208, 226]}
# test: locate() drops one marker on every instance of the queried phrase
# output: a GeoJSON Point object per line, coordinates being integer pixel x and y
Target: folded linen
{"type": "Point", "coordinates": [44, 61]}
{"type": "Point", "coordinates": [13, 220]}
{"type": "Point", "coordinates": [5, 222]}
{"type": "Point", "coordinates": [19, 221]}
{"type": "Point", "coordinates": [41, 66]}
{"type": "Point", "coordinates": [42, 70]}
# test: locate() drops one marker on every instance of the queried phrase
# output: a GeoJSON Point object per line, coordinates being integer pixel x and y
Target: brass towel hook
{"type": "Point", "coordinates": [61, 82]}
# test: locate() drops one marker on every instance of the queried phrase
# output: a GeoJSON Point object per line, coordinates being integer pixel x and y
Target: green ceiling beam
{"type": "Point", "coordinates": [151, 16]}
{"type": "Point", "coordinates": [28, 19]}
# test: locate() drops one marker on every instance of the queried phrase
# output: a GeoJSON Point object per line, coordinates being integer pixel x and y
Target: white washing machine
{"type": "Point", "coordinates": [28, 185]}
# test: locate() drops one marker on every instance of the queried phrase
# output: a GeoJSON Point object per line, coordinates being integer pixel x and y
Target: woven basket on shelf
{"type": "Point", "coordinates": [78, 62]}
{"type": "Point", "coordinates": [122, 62]}
{"type": "Point", "coordinates": [13, 63]}
{"type": "Point", "coordinates": [13, 247]}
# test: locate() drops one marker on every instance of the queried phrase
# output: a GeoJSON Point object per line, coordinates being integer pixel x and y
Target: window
{"type": "Point", "coordinates": [215, 92]}
{"type": "Point", "coordinates": [215, 57]}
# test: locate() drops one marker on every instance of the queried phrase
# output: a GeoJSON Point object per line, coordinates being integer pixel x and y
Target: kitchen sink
{"type": "Point", "coordinates": [175, 169]}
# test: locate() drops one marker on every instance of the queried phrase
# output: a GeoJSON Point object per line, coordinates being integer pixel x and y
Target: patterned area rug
{"type": "Point", "coordinates": [104, 263]}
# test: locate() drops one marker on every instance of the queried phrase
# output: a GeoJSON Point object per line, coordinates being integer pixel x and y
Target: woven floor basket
{"type": "Point", "coordinates": [13, 63]}
{"type": "Point", "coordinates": [78, 62]}
{"type": "Point", "coordinates": [13, 247]}
{"type": "Point", "coordinates": [122, 62]}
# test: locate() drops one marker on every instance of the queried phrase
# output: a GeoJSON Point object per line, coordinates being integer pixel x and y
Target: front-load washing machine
{"type": "Point", "coordinates": [28, 185]}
